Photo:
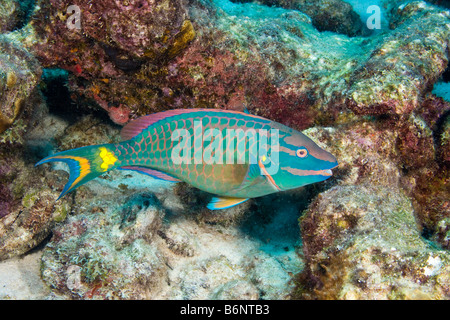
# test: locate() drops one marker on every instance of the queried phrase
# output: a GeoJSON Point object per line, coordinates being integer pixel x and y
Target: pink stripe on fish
{"type": "Point", "coordinates": [299, 172]}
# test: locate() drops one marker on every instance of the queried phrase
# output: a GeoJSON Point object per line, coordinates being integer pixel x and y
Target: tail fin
{"type": "Point", "coordinates": [84, 163]}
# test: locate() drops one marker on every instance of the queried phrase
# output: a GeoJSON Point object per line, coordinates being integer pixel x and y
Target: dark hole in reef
{"type": "Point", "coordinates": [446, 74]}
{"type": "Point", "coordinates": [133, 206]}
{"type": "Point", "coordinates": [427, 233]}
{"type": "Point", "coordinates": [41, 245]}
{"type": "Point", "coordinates": [121, 59]}
{"type": "Point", "coordinates": [442, 3]}
{"type": "Point", "coordinates": [26, 9]}
{"type": "Point", "coordinates": [273, 219]}
{"type": "Point", "coordinates": [55, 89]}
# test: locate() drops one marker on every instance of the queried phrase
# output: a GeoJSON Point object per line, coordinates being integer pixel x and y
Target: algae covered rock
{"type": "Point", "coordinates": [126, 32]}
{"type": "Point", "coordinates": [19, 74]}
{"type": "Point", "coordinates": [390, 187]}
{"type": "Point", "coordinates": [220, 54]}
{"type": "Point", "coordinates": [444, 142]}
{"type": "Point", "coordinates": [9, 15]}
{"type": "Point", "coordinates": [107, 42]}
{"type": "Point", "coordinates": [106, 256]}
{"type": "Point", "coordinates": [335, 15]}
{"type": "Point", "coordinates": [363, 243]}
{"type": "Point", "coordinates": [28, 206]}
{"type": "Point", "coordinates": [366, 153]}
{"type": "Point", "coordinates": [287, 74]}
{"type": "Point", "coordinates": [381, 84]}
{"type": "Point", "coordinates": [29, 222]}
{"type": "Point", "coordinates": [135, 249]}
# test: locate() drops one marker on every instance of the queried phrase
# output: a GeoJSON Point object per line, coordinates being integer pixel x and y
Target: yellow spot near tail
{"type": "Point", "coordinates": [107, 157]}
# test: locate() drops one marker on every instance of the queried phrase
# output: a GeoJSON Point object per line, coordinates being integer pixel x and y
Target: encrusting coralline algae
{"type": "Point", "coordinates": [379, 229]}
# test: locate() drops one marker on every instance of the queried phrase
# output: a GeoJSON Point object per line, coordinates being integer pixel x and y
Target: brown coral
{"type": "Point", "coordinates": [362, 243]}
{"type": "Point", "coordinates": [19, 74]}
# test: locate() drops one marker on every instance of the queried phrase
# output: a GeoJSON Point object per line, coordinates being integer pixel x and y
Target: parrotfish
{"type": "Point", "coordinates": [233, 155]}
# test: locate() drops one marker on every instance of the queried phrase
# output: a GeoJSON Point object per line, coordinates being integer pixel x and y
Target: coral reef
{"type": "Point", "coordinates": [378, 229]}
{"type": "Point", "coordinates": [19, 74]}
{"type": "Point", "coordinates": [151, 247]}
{"type": "Point", "coordinates": [9, 15]}
{"type": "Point", "coordinates": [127, 35]}
{"type": "Point", "coordinates": [381, 86]}
{"type": "Point", "coordinates": [87, 128]}
{"type": "Point", "coordinates": [444, 142]}
{"type": "Point", "coordinates": [326, 15]}
{"type": "Point", "coordinates": [365, 238]}
{"type": "Point", "coordinates": [109, 48]}
{"type": "Point", "coordinates": [362, 243]}
{"type": "Point", "coordinates": [84, 262]}
{"type": "Point", "coordinates": [28, 209]}
{"type": "Point", "coordinates": [276, 62]}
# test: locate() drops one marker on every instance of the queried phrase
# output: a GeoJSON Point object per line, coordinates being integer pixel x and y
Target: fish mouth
{"type": "Point", "coordinates": [327, 172]}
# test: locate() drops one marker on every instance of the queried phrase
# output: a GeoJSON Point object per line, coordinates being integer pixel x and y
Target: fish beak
{"type": "Point", "coordinates": [334, 161]}
{"type": "Point", "coordinates": [327, 173]}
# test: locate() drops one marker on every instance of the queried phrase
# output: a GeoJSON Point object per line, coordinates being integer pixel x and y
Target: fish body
{"type": "Point", "coordinates": [231, 154]}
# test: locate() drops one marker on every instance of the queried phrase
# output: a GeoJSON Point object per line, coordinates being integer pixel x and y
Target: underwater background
{"type": "Point", "coordinates": [366, 80]}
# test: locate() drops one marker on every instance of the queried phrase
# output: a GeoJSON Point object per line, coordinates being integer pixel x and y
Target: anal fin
{"type": "Point", "coordinates": [218, 203]}
{"type": "Point", "coordinates": [152, 172]}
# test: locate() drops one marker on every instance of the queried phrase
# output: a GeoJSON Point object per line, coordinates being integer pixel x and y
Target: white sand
{"type": "Point", "coordinates": [20, 278]}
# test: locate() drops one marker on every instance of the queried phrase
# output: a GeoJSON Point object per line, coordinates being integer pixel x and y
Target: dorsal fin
{"type": "Point", "coordinates": [134, 127]}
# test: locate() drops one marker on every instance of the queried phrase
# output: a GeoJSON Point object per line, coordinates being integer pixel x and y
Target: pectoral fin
{"type": "Point", "coordinates": [224, 202]}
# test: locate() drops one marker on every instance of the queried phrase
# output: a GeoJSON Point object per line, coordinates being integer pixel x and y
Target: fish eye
{"type": "Point", "coordinates": [301, 153]}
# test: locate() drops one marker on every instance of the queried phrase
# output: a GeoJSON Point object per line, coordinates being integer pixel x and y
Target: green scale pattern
{"type": "Point", "coordinates": [153, 147]}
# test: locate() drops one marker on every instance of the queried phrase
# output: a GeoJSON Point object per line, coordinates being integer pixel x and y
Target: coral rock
{"type": "Point", "coordinates": [381, 85]}
{"type": "Point", "coordinates": [326, 15]}
{"type": "Point", "coordinates": [29, 211]}
{"type": "Point", "coordinates": [28, 206]}
{"type": "Point", "coordinates": [366, 153]}
{"type": "Point", "coordinates": [9, 15]}
{"type": "Point", "coordinates": [415, 143]}
{"type": "Point", "coordinates": [19, 74]}
{"type": "Point", "coordinates": [444, 142]}
{"type": "Point", "coordinates": [274, 62]}
{"type": "Point", "coordinates": [363, 243]}
{"type": "Point", "coordinates": [106, 256]}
